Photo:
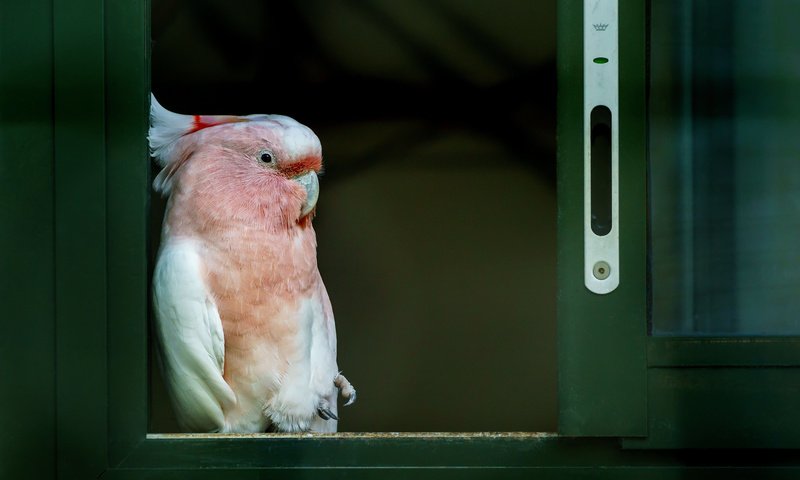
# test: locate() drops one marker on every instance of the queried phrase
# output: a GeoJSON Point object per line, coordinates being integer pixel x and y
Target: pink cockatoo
{"type": "Point", "coordinates": [245, 327]}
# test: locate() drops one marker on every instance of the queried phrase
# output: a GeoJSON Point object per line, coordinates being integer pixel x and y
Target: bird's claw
{"type": "Point", "coordinates": [326, 414]}
{"type": "Point", "coordinates": [346, 389]}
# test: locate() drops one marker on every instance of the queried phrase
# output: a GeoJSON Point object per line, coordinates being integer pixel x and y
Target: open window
{"type": "Point", "coordinates": [436, 221]}
{"type": "Point", "coordinates": [693, 343]}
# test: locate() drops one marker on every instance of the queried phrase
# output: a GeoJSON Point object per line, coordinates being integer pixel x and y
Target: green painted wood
{"type": "Point", "coordinates": [363, 450]}
{"type": "Point", "coordinates": [80, 224]}
{"type": "Point", "coordinates": [27, 364]}
{"type": "Point", "coordinates": [408, 451]}
{"type": "Point", "coordinates": [723, 408]}
{"type": "Point", "coordinates": [370, 456]}
{"type": "Point", "coordinates": [730, 351]}
{"type": "Point", "coordinates": [127, 165]}
{"type": "Point", "coordinates": [602, 338]}
{"type": "Point", "coordinates": [610, 473]}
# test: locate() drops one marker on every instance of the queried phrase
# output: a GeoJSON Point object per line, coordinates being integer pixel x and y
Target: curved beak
{"type": "Point", "coordinates": [310, 182]}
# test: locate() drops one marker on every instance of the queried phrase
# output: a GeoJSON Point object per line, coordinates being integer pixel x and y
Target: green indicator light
{"type": "Point", "coordinates": [600, 60]}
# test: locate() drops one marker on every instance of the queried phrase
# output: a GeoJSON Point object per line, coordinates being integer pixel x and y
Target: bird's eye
{"type": "Point", "coordinates": [265, 157]}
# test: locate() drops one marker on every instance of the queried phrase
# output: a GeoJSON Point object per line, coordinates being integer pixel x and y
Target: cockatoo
{"type": "Point", "coordinates": [245, 327]}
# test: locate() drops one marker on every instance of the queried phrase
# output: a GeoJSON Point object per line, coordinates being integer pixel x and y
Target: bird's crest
{"type": "Point", "coordinates": [167, 127]}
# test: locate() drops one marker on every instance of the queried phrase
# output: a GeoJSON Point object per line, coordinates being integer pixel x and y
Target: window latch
{"type": "Point", "coordinates": [601, 145]}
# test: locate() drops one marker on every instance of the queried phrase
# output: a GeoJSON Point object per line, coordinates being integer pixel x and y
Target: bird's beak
{"type": "Point", "coordinates": [310, 182]}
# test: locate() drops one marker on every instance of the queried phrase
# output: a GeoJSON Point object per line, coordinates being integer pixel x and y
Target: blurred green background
{"type": "Point", "coordinates": [437, 214]}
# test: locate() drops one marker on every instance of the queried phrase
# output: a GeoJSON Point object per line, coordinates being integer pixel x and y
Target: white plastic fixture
{"type": "Point", "coordinates": [601, 89]}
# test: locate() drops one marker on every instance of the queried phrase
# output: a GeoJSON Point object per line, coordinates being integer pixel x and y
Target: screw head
{"type": "Point", "coordinates": [601, 270]}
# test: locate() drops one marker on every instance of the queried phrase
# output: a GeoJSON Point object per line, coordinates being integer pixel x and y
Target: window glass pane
{"type": "Point", "coordinates": [724, 128]}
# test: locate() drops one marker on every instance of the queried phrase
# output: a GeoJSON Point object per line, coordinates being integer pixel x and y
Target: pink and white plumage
{"type": "Point", "coordinates": [245, 327]}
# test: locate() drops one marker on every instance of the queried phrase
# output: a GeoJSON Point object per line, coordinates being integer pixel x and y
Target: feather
{"type": "Point", "coordinates": [192, 340]}
{"type": "Point", "coordinates": [165, 129]}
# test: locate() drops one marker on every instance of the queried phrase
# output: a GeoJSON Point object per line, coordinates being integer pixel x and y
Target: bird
{"type": "Point", "coordinates": [244, 324]}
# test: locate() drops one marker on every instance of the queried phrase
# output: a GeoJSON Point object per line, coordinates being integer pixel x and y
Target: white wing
{"type": "Point", "coordinates": [191, 337]}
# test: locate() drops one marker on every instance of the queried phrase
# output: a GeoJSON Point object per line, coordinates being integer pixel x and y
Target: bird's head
{"type": "Point", "coordinates": [263, 165]}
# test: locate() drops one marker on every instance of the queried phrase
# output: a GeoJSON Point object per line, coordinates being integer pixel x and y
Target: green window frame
{"type": "Point", "coordinates": [602, 338]}
{"type": "Point", "coordinates": [73, 106]}
{"type": "Point", "coordinates": [616, 380]}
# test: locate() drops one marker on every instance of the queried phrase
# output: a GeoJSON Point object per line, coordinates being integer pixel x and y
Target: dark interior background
{"type": "Point", "coordinates": [437, 214]}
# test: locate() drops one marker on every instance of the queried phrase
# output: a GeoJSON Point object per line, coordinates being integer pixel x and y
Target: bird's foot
{"type": "Point", "coordinates": [345, 388]}
{"type": "Point", "coordinates": [324, 411]}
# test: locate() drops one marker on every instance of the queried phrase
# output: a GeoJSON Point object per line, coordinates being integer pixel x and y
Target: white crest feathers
{"type": "Point", "coordinates": [165, 129]}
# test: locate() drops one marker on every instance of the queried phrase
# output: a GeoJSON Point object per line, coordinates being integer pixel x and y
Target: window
{"type": "Point", "coordinates": [696, 346]}
{"type": "Point", "coordinates": [724, 180]}
{"type": "Point", "coordinates": [723, 215]}
{"type": "Point", "coordinates": [677, 356]}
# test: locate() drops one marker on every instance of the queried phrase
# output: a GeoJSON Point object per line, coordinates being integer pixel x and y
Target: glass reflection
{"type": "Point", "coordinates": [724, 133]}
